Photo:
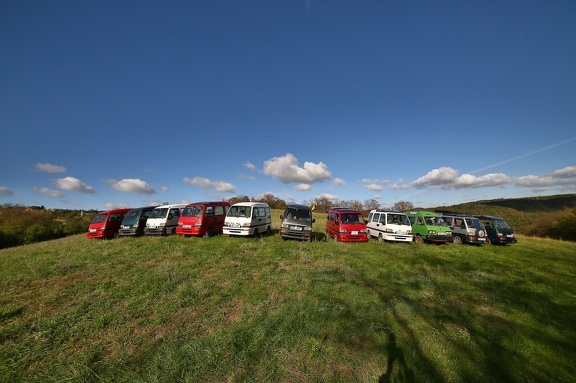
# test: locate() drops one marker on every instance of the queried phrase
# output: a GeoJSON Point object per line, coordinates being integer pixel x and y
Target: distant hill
{"type": "Point", "coordinates": [535, 204]}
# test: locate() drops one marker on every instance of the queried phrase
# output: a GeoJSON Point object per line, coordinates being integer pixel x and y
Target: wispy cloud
{"type": "Point", "coordinates": [4, 191]}
{"type": "Point", "coordinates": [48, 192]}
{"type": "Point", "coordinates": [49, 168]}
{"type": "Point", "coordinates": [221, 186]}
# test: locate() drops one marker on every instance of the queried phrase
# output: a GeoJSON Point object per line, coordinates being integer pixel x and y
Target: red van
{"type": "Point", "coordinates": [106, 224]}
{"type": "Point", "coordinates": [346, 225]}
{"type": "Point", "coordinates": [202, 219]}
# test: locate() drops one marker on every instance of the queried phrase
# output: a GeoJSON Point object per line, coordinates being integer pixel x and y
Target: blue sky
{"type": "Point", "coordinates": [133, 103]}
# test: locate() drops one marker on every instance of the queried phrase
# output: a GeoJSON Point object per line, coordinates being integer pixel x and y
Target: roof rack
{"type": "Point", "coordinates": [452, 213]}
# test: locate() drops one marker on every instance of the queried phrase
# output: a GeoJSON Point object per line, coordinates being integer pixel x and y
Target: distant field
{"type": "Point", "coordinates": [242, 310]}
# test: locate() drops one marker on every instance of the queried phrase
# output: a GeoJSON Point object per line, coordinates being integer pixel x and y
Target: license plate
{"type": "Point", "coordinates": [297, 228]}
{"type": "Point", "coordinates": [354, 232]}
{"type": "Point", "coordinates": [187, 226]}
{"type": "Point", "coordinates": [441, 233]}
{"type": "Point", "coordinates": [125, 227]}
{"type": "Point", "coordinates": [152, 227]}
{"type": "Point", "coordinates": [92, 230]}
{"type": "Point", "coordinates": [510, 235]}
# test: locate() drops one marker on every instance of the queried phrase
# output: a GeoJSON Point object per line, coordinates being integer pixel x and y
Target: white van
{"type": "Point", "coordinates": [164, 219]}
{"type": "Point", "coordinates": [387, 225]}
{"type": "Point", "coordinates": [248, 218]}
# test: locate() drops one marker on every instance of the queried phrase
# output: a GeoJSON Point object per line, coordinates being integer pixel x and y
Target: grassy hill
{"type": "Point", "coordinates": [243, 310]}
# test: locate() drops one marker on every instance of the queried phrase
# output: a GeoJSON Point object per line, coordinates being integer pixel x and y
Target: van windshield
{"type": "Point", "coordinates": [474, 223]}
{"type": "Point", "coordinates": [159, 213]}
{"type": "Point", "coordinates": [435, 221]}
{"type": "Point", "coordinates": [132, 215]}
{"type": "Point", "coordinates": [192, 211]}
{"type": "Point", "coordinates": [299, 214]}
{"type": "Point", "coordinates": [240, 211]}
{"type": "Point", "coordinates": [397, 219]}
{"type": "Point", "coordinates": [100, 218]}
{"type": "Point", "coordinates": [352, 218]}
{"type": "Point", "coordinates": [501, 224]}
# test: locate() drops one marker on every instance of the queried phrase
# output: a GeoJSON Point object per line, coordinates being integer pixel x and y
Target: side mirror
{"type": "Point", "coordinates": [281, 217]}
{"type": "Point", "coordinates": [313, 220]}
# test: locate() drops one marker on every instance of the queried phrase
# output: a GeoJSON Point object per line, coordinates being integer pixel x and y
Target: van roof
{"type": "Point", "coordinates": [422, 212]}
{"type": "Point", "coordinates": [297, 206]}
{"type": "Point", "coordinates": [209, 203]}
{"type": "Point", "coordinates": [346, 209]}
{"type": "Point", "coordinates": [171, 205]}
{"type": "Point", "coordinates": [122, 210]}
{"type": "Point", "coordinates": [250, 204]}
{"type": "Point", "coordinates": [386, 211]}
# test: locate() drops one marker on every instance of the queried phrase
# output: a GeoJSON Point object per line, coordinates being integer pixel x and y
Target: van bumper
{"type": "Point", "coordinates": [439, 238]}
{"type": "Point", "coordinates": [236, 231]}
{"type": "Point", "coordinates": [292, 234]}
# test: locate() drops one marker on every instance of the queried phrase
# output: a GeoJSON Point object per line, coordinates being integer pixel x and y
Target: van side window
{"type": "Point", "coordinates": [175, 212]}
{"type": "Point", "coordinates": [267, 212]}
{"type": "Point", "coordinates": [420, 221]}
{"type": "Point", "coordinates": [209, 211]}
{"type": "Point", "coordinates": [114, 217]}
{"type": "Point", "coordinates": [219, 210]}
{"type": "Point", "coordinates": [376, 217]}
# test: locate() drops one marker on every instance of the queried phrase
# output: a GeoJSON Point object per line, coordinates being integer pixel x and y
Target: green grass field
{"type": "Point", "coordinates": [242, 310]}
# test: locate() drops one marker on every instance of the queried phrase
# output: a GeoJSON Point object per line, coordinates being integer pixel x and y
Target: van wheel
{"type": "Point", "coordinates": [418, 239]}
{"type": "Point", "coordinates": [256, 233]}
{"type": "Point", "coordinates": [209, 233]}
{"type": "Point", "coordinates": [268, 231]}
{"type": "Point", "coordinates": [380, 238]}
{"type": "Point", "coordinates": [488, 241]}
{"type": "Point", "coordinates": [457, 240]}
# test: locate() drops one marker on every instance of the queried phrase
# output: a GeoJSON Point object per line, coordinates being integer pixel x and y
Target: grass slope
{"type": "Point", "coordinates": [240, 309]}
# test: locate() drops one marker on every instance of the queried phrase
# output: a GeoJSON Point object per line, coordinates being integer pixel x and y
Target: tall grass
{"type": "Point", "coordinates": [244, 309]}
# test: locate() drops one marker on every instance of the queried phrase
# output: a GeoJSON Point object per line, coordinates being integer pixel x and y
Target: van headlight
{"type": "Point", "coordinates": [307, 228]}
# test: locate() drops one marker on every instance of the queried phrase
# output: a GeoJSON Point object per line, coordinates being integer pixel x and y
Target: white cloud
{"type": "Point", "coordinates": [339, 182]}
{"type": "Point", "coordinates": [448, 178]}
{"type": "Point", "coordinates": [442, 177]}
{"type": "Point", "coordinates": [286, 169]}
{"type": "Point", "coordinates": [49, 168]}
{"type": "Point", "coordinates": [48, 192]}
{"type": "Point", "coordinates": [73, 184]}
{"type": "Point", "coordinates": [303, 187]}
{"type": "Point", "coordinates": [561, 177]}
{"type": "Point", "coordinates": [249, 166]}
{"type": "Point", "coordinates": [221, 186]}
{"type": "Point", "coordinates": [164, 188]}
{"type": "Point", "coordinates": [374, 184]}
{"type": "Point", "coordinates": [4, 191]}
{"type": "Point", "coordinates": [133, 185]}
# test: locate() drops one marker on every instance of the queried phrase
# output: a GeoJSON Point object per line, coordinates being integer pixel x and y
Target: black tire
{"type": "Point", "coordinates": [268, 231]}
{"type": "Point", "coordinates": [381, 238]}
{"type": "Point", "coordinates": [209, 233]}
{"type": "Point", "coordinates": [457, 240]}
{"type": "Point", "coordinates": [418, 239]}
{"type": "Point", "coordinates": [256, 233]}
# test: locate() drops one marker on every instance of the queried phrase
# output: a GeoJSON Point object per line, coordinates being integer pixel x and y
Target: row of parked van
{"type": "Point", "coordinates": [342, 224]}
{"type": "Point", "coordinates": [195, 219]}
{"type": "Point", "coordinates": [419, 226]}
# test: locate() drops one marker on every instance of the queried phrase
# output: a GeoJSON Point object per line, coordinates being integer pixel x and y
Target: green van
{"type": "Point", "coordinates": [428, 226]}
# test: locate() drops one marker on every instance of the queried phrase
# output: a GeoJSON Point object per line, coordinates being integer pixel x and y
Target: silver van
{"type": "Point", "coordinates": [296, 222]}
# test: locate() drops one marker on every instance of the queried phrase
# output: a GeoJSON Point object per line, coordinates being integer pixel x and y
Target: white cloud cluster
{"type": "Point", "coordinates": [221, 186]}
{"type": "Point", "coordinates": [132, 185]}
{"type": "Point", "coordinates": [49, 168]}
{"type": "Point", "coordinates": [448, 178]}
{"type": "Point", "coordinates": [73, 184]}
{"type": "Point", "coordinates": [287, 170]}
